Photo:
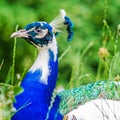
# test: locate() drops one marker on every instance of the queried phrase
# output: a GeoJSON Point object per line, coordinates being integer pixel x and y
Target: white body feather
{"type": "Point", "coordinates": [99, 109]}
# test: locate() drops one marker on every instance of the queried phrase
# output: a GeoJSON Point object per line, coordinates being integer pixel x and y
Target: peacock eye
{"type": "Point", "coordinates": [38, 30]}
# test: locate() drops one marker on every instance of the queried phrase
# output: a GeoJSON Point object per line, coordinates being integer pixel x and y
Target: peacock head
{"type": "Point", "coordinates": [37, 33]}
{"type": "Point", "coordinates": [41, 34]}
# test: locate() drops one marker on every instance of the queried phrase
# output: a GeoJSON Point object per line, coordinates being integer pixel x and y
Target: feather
{"type": "Point", "coordinates": [71, 99]}
{"type": "Point", "coordinates": [58, 22]}
{"type": "Point", "coordinates": [98, 109]}
{"type": "Point", "coordinates": [62, 21]}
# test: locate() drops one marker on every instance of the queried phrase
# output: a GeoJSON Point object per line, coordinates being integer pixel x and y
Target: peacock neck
{"type": "Point", "coordinates": [45, 68]}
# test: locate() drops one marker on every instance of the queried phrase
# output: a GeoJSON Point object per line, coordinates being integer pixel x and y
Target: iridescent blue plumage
{"type": "Point", "coordinates": [39, 83]}
{"type": "Point", "coordinates": [69, 28]}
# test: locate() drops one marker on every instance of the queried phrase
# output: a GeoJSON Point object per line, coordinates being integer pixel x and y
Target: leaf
{"type": "Point", "coordinates": [17, 90]}
{"type": "Point", "coordinates": [8, 78]}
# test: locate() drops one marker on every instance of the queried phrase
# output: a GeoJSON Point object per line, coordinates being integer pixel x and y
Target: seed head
{"type": "Point", "coordinates": [103, 53]}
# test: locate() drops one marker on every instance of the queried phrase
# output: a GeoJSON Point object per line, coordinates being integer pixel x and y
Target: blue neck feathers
{"type": "Point", "coordinates": [38, 85]}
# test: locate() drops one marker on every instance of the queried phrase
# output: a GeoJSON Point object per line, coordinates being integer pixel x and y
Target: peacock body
{"type": "Point", "coordinates": [38, 101]}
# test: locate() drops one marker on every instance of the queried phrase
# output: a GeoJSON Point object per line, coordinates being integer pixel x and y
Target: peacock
{"type": "Point", "coordinates": [39, 100]}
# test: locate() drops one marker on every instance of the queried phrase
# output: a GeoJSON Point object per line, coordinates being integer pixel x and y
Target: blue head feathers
{"type": "Point", "coordinates": [39, 33]}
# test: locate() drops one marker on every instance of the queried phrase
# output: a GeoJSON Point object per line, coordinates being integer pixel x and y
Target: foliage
{"type": "Point", "coordinates": [7, 93]}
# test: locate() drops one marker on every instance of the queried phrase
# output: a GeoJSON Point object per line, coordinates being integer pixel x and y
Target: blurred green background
{"type": "Point", "coordinates": [80, 63]}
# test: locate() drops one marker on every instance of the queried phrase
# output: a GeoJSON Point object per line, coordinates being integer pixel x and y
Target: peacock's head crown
{"type": "Point", "coordinates": [40, 34]}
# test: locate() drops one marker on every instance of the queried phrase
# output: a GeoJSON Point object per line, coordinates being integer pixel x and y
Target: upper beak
{"type": "Point", "coordinates": [20, 33]}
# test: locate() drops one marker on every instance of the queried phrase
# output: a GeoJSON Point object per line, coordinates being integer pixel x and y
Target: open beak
{"type": "Point", "coordinates": [21, 33]}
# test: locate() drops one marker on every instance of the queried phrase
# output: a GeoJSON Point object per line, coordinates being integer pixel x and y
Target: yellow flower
{"type": "Point", "coordinates": [103, 53]}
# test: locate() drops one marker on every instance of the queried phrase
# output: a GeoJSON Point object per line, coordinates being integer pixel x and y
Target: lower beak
{"type": "Point", "coordinates": [21, 33]}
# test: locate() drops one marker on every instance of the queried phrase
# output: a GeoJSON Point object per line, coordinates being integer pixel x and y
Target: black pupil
{"type": "Point", "coordinates": [38, 29]}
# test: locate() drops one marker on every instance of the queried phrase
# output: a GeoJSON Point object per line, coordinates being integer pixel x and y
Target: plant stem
{"type": "Point", "coordinates": [13, 61]}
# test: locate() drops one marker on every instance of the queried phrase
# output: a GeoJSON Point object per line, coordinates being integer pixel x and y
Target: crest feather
{"type": "Point", "coordinates": [62, 21]}
{"type": "Point", "coordinates": [58, 22]}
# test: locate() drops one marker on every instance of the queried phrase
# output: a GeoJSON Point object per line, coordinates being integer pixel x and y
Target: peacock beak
{"type": "Point", "coordinates": [21, 33]}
